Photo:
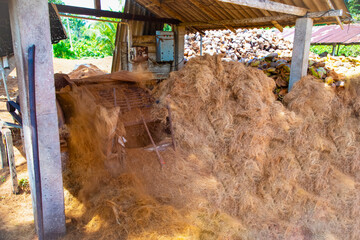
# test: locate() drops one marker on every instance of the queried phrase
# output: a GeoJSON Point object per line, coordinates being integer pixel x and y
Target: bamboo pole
{"type": "Point", "coordinates": [10, 155]}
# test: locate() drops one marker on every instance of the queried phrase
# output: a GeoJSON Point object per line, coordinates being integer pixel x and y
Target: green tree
{"type": "Point", "coordinates": [104, 33]}
{"type": "Point", "coordinates": [354, 8]}
{"type": "Point", "coordinates": [88, 38]}
{"type": "Point", "coordinates": [167, 27]}
{"type": "Point", "coordinates": [57, 2]}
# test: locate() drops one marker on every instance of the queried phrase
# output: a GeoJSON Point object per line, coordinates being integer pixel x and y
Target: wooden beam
{"type": "Point", "coordinates": [249, 21]}
{"type": "Point", "coordinates": [97, 4]}
{"type": "Point", "coordinates": [278, 26]}
{"type": "Point", "coordinates": [270, 6]}
{"type": "Point", "coordinates": [110, 14]}
{"type": "Point", "coordinates": [275, 23]}
{"type": "Point", "coordinates": [331, 6]}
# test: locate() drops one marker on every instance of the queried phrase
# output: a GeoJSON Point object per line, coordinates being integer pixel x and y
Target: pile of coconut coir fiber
{"type": "Point", "coordinates": [104, 197]}
{"type": "Point", "coordinates": [280, 170]}
{"type": "Point", "coordinates": [246, 166]}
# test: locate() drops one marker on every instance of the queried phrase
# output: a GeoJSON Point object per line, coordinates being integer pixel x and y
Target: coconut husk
{"type": "Point", "coordinates": [285, 171]}
{"type": "Point", "coordinates": [246, 167]}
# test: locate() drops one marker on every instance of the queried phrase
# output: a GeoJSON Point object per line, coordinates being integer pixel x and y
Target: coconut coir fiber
{"type": "Point", "coordinates": [247, 166]}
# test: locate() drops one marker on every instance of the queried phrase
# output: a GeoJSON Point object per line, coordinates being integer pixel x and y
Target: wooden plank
{"type": "Point", "coordinates": [10, 155]}
{"type": "Point", "coordinates": [300, 55]}
{"type": "Point", "coordinates": [145, 40]}
{"type": "Point", "coordinates": [116, 77]}
{"type": "Point", "coordinates": [270, 6]}
{"type": "Point", "coordinates": [4, 161]}
{"type": "Point", "coordinates": [110, 14]}
{"type": "Point", "coordinates": [278, 26]}
{"type": "Point", "coordinates": [275, 23]}
{"type": "Point", "coordinates": [249, 21]}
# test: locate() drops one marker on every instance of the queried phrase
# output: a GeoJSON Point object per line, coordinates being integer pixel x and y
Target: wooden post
{"type": "Point", "coordinates": [333, 49]}
{"type": "Point", "coordinates": [201, 45]}
{"type": "Point", "coordinates": [97, 4]}
{"type": "Point", "coordinates": [11, 158]}
{"type": "Point", "coordinates": [4, 161]}
{"type": "Point", "coordinates": [270, 6]}
{"type": "Point", "coordinates": [300, 55]}
{"type": "Point", "coordinates": [30, 25]}
{"type": "Point", "coordinates": [179, 46]}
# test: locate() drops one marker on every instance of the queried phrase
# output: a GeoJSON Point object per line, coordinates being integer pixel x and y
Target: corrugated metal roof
{"type": "Point", "coordinates": [330, 34]}
{"type": "Point", "coordinates": [214, 10]}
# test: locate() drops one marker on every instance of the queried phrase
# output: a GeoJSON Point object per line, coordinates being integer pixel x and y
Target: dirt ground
{"type": "Point", "coordinates": [16, 214]}
{"type": "Point", "coordinates": [66, 65]}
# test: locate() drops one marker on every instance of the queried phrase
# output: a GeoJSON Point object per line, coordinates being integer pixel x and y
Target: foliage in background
{"type": "Point", "coordinates": [354, 8]}
{"type": "Point", "coordinates": [89, 39]}
{"type": "Point", "coordinates": [24, 185]}
{"type": "Point", "coordinates": [318, 49]}
{"type": "Point", "coordinates": [344, 50]}
{"type": "Point", "coordinates": [167, 27]}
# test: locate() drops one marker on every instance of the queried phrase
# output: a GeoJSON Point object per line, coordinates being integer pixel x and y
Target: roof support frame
{"type": "Point", "coordinates": [270, 6]}
{"type": "Point", "coordinates": [247, 21]}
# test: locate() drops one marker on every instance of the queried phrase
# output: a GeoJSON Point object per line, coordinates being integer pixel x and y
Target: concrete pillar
{"type": "Point", "coordinates": [30, 25]}
{"type": "Point", "coordinates": [301, 50]}
{"type": "Point", "coordinates": [179, 46]}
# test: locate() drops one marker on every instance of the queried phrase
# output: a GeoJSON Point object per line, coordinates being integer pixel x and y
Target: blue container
{"type": "Point", "coordinates": [164, 46]}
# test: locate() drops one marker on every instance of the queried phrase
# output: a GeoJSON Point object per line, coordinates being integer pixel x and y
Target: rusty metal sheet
{"type": "Point", "coordinates": [331, 34]}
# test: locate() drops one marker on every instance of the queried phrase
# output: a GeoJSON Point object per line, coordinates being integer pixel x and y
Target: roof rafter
{"type": "Point", "coordinates": [270, 6]}
{"type": "Point", "coordinates": [275, 23]}
{"type": "Point", "coordinates": [200, 6]}
{"type": "Point", "coordinates": [170, 12]}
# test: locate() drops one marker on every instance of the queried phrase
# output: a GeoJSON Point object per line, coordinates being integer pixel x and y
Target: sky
{"type": "Point", "coordinates": [114, 5]}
